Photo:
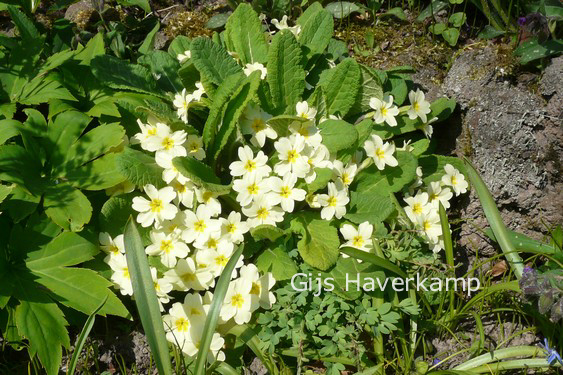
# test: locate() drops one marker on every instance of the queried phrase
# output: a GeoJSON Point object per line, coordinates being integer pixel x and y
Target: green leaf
{"type": "Point", "coordinates": [342, 9]}
{"type": "Point", "coordinates": [341, 86]}
{"type": "Point", "coordinates": [373, 207]}
{"type": "Point", "coordinates": [43, 324]}
{"type": "Point", "coordinates": [349, 269]}
{"type": "Point", "coordinates": [67, 249]}
{"type": "Point", "coordinates": [317, 26]}
{"type": "Point", "coordinates": [319, 241]}
{"type": "Point", "coordinates": [200, 174]}
{"type": "Point", "coordinates": [94, 47]}
{"type": "Point", "coordinates": [266, 232]}
{"type": "Point", "coordinates": [397, 12]}
{"type": "Point", "coordinates": [397, 87]}
{"type": "Point", "coordinates": [451, 35]}
{"type": "Point", "coordinates": [432, 9]}
{"type": "Point", "coordinates": [146, 299]}
{"type": "Point", "coordinates": [115, 212]}
{"type": "Point", "coordinates": [42, 89]}
{"type": "Point", "coordinates": [338, 134]}
{"type": "Point", "coordinates": [218, 21]}
{"type": "Point", "coordinates": [139, 168]}
{"type": "Point", "coordinates": [389, 180]}
{"type": "Point", "coordinates": [324, 175]}
{"type": "Point", "coordinates": [118, 74]}
{"type": "Point", "coordinates": [370, 87]}
{"type": "Point", "coordinates": [244, 35]}
{"type": "Point", "coordinates": [212, 60]}
{"type": "Point", "coordinates": [27, 30]}
{"type": "Point", "coordinates": [19, 166]}
{"type": "Point", "coordinates": [21, 204]}
{"type": "Point", "coordinates": [148, 43]}
{"type": "Point", "coordinates": [489, 32]}
{"type": "Point", "coordinates": [67, 206]}
{"type": "Point", "coordinates": [532, 50]}
{"type": "Point", "coordinates": [278, 262]}
{"type": "Point", "coordinates": [62, 133]}
{"type": "Point", "coordinates": [179, 45]}
{"type": "Point", "coordinates": [286, 75]}
{"type": "Point", "coordinates": [234, 108]}
{"type": "Point", "coordinates": [56, 60]}
{"type": "Point", "coordinates": [165, 67]}
{"type": "Point", "coordinates": [457, 19]}
{"type": "Point", "coordinates": [143, 4]}
{"type": "Point", "coordinates": [99, 174]}
{"type": "Point", "coordinates": [90, 146]}
{"type": "Point", "coordinates": [5, 191]}
{"type": "Point", "coordinates": [437, 28]}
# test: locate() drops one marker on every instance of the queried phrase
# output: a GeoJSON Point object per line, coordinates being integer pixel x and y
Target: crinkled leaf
{"type": "Point", "coordinates": [244, 35]}
{"type": "Point", "coordinates": [317, 26]}
{"type": "Point", "coordinates": [278, 262]}
{"type": "Point", "coordinates": [389, 180]}
{"type": "Point", "coordinates": [338, 134]}
{"type": "Point", "coordinates": [139, 168]}
{"type": "Point", "coordinates": [118, 74]}
{"type": "Point", "coordinates": [342, 9]}
{"type": "Point", "coordinates": [212, 60]}
{"type": "Point", "coordinates": [341, 86]}
{"type": "Point", "coordinates": [371, 207]}
{"type": "Point", "coordinates": [266, 232]}
{"type": "Point", "coordinates": [319, 241]}
{"type": "Point", "coordinates": [201, 174]}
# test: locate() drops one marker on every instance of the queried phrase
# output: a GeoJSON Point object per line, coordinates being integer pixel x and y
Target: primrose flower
{"type": "Point", "coordinates": [193, 343]}
{"type": "Point", "coordinates": [184, 56]}
{"type": "Point", "coordinates": [199, 225]}
{"type": "Point", "coordinates": [345, 175]}
{"type": "Point", "coordinates": [250, 165]}
{"type": "Point", "coordinates": [233, 228]}
{"type": "Point", "coordinates": [262, 211]}
{"type": "Point", "coordinates": [184, 193]}
{"type": "Point", "coordinates": [308, 130]}
{"type": "Point", "coordinates": [177, 324]}
{"type": "Point", "coordinates": [254, 122]}
{"type": "Point", "coordinates": [182, 102]}
{"type": "Point", "coordinates": [250, 68]}
{"type": "Point", "coordinates": [317, 157]}
{"type": "Point", "coordinates": [111, 246]}
{"type": "Point", "coordinates": [381, 153]}
{"type": "Point", "coordinates": [429, 223]}
{"type": "Point", "coordinates": [417, 206]}
{"type": "Point", "coordinates": [198, 93]}
{"type": "Point", "coordinates": [167, 142]}
{"type": "Point", "coordinates": [194, 144]}
{"type": "Point", "coordinates": [427, 128]}
{"type": "Point", "coordinates": [187, 276]}
{"type": "Point", "coordinates": [454, 179]}
{"type": "Point", "coordinates": [285, 192]}
{"type": "Point", "coordinates": [419, 106]}
{"type": "Point", "coordinates": [357, 238]}
{"type": "Point", "coordinates": [167, 247]}
{"type": "Point", "coordinates": [249, 188]}
{"type": "Point", "coordinates": [209, 199]}
{"type": "Point", "coordinates": [158, 208]}
{"type": "Point", "coordinates": [437, 194]}
{"type": "Point", "coordinates": [261, 285]}
{"type": "Point", "coordinates": [162, 288]}
{"type": "Point", "coordinates": [334, 203]}
{"type": "Point", "coordinates": [282, 25]}
{"type": "Point", "coordinates": [120, 276]}
{"type": "Point", "coordinates": [238, 301]}
{"type": "Point", "coordinates": [290, 155]}
{"type": "Point", "coordinates": [147, 132]}
{"type": "Point", "coordinates": [215, 260]}
{"type": "Point", "coordinates": [304, 111]}
{"type": "Point", "coordinates": [385, 111]}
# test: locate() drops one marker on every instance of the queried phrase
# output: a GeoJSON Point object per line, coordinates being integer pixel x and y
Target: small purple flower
{"type": "Point", "coordinates": [551, 353]}
{"type": "Point", "coordinates": [436, 362]}
{"type": "Point", "coordinates": [522, 21]}
{"type": "Point", "coordinates": [527, 269]}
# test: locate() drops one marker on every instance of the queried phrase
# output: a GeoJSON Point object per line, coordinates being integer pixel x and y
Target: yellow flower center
{"type": "Point", "coordinates": [188, 276]}
{"type": "Point", "coordinates": [237, 300]}
{"type": "Point", "coordinates": [180, 188]}
{"type": "Point", "coordinates": [200, 226]}
{"type": "Point", "coordinates": [304, 115]}
{"type": "Point", "coordinates": [416, 106]}
{"type": "Point", "coordinates": [250, 165]}
{"type": "Point", "coordinates": [332, 201]}
{"type": "Point", "coordinates": [156, 205]}
{"type": "Point", "coordinates": [258, 124]}
{"type": "Point", "coordinates": [380, 153]}
{"type": "Point", "coordinates": [263, 213]}
{"type": "Point", "coordinates": [304, 131]}
{"type": "Point", "coordinates": [426, 225]}
{"type": "Point", "coordinates": [195, 311]}
{"type": "Point", "coordinates": [231, 228]}
{"type": "Point", "coordinates": [207, 196]}
{"type": "Point", "coordinates": [126, 273]}
{"type": "Point", "coordinates": [384, 111]}
{"type": "Point", "coordinates": [255, 289]}
{"type": "Point", "coordinates": [166, 246]}
{"type": "Point", "coordinates": [433, 197]}
{"type": "Point", "coordinates": [151, 131]}
{"type": "Point", "coordinates": [454, 180]}
{"type": "Point", "coordinates": [417, 208]}
{"type": "Point", "coordinates": [253, 189]}
{"type": "Point", "coordinates": [346, 179]}
{"type": "Point", "coordinates": [156, 286]}
{"type": "Point", "coordinates": [113, 249]}
{"type": "Point", "coordinates": [194, 146]}
{"type": "Point", "coordinates": [221, 260]}
{"type": "Point", "coordinates": [182, 324]}
{"type": "Point", "coordinates": [285, 192]}
{"type": "Point", "coordinates": [358, 241]}
{"type": "Point", "coordinates": [167, 143]}
{"type": "Point", "coordinates": [212, 243]}
{"type": "Point", "coordinates": [292, 156]}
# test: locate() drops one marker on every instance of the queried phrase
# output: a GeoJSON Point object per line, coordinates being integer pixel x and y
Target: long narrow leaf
{"type": "Point", "coordinates": [81, 340]}
{"type": "Point", "coordinates": [495, 220]}
{"type": "Point", "coordinates": [213, 314]}
{"type": "Point", "coordinates": [145, 298]}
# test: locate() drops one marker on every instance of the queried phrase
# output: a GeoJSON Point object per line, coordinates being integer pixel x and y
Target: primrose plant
{"type": "Point", "coordinates": [250, 155]}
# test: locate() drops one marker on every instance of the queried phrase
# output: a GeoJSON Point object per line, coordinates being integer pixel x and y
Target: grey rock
{"type": "Point", "coordinates": [74, 10]}
{"type": "Point", "coordinates": [514, 138]}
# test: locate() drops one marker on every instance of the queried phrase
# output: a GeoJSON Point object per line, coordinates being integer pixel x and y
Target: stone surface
{"type": "Point", "coordinates": [514, 138]}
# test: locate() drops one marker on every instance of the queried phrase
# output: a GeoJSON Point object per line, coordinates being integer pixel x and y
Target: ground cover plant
{"type": "Point", "coordinates": [191, 189]}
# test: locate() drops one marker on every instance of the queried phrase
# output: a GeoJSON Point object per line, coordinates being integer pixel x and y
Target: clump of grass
{"type": "Point", "coordinates": [188, 23]}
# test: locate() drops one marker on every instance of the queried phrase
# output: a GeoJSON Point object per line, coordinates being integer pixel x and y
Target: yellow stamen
{"type": "Point", "coordinates": [237, 300]}
{"type": "Point", "coordinates": [156, 205]}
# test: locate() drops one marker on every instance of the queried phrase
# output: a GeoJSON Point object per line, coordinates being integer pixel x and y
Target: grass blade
{"type": "Point", "coordinates": [495, 220]}
{"type": "Point", "coordinates": [449, 250]}
{"type": "Point", "coordinates": [145, 298]}
{"type": "Point", "coordinates": [214, 310]}
{"type": "Point", "coordinates": [81, 340]}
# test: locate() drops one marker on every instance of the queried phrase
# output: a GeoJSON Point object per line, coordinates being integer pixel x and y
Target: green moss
{"type": "Point", "coordinates": [191, 24]}
{"type": "Point", "coordinates": [393, 45]}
